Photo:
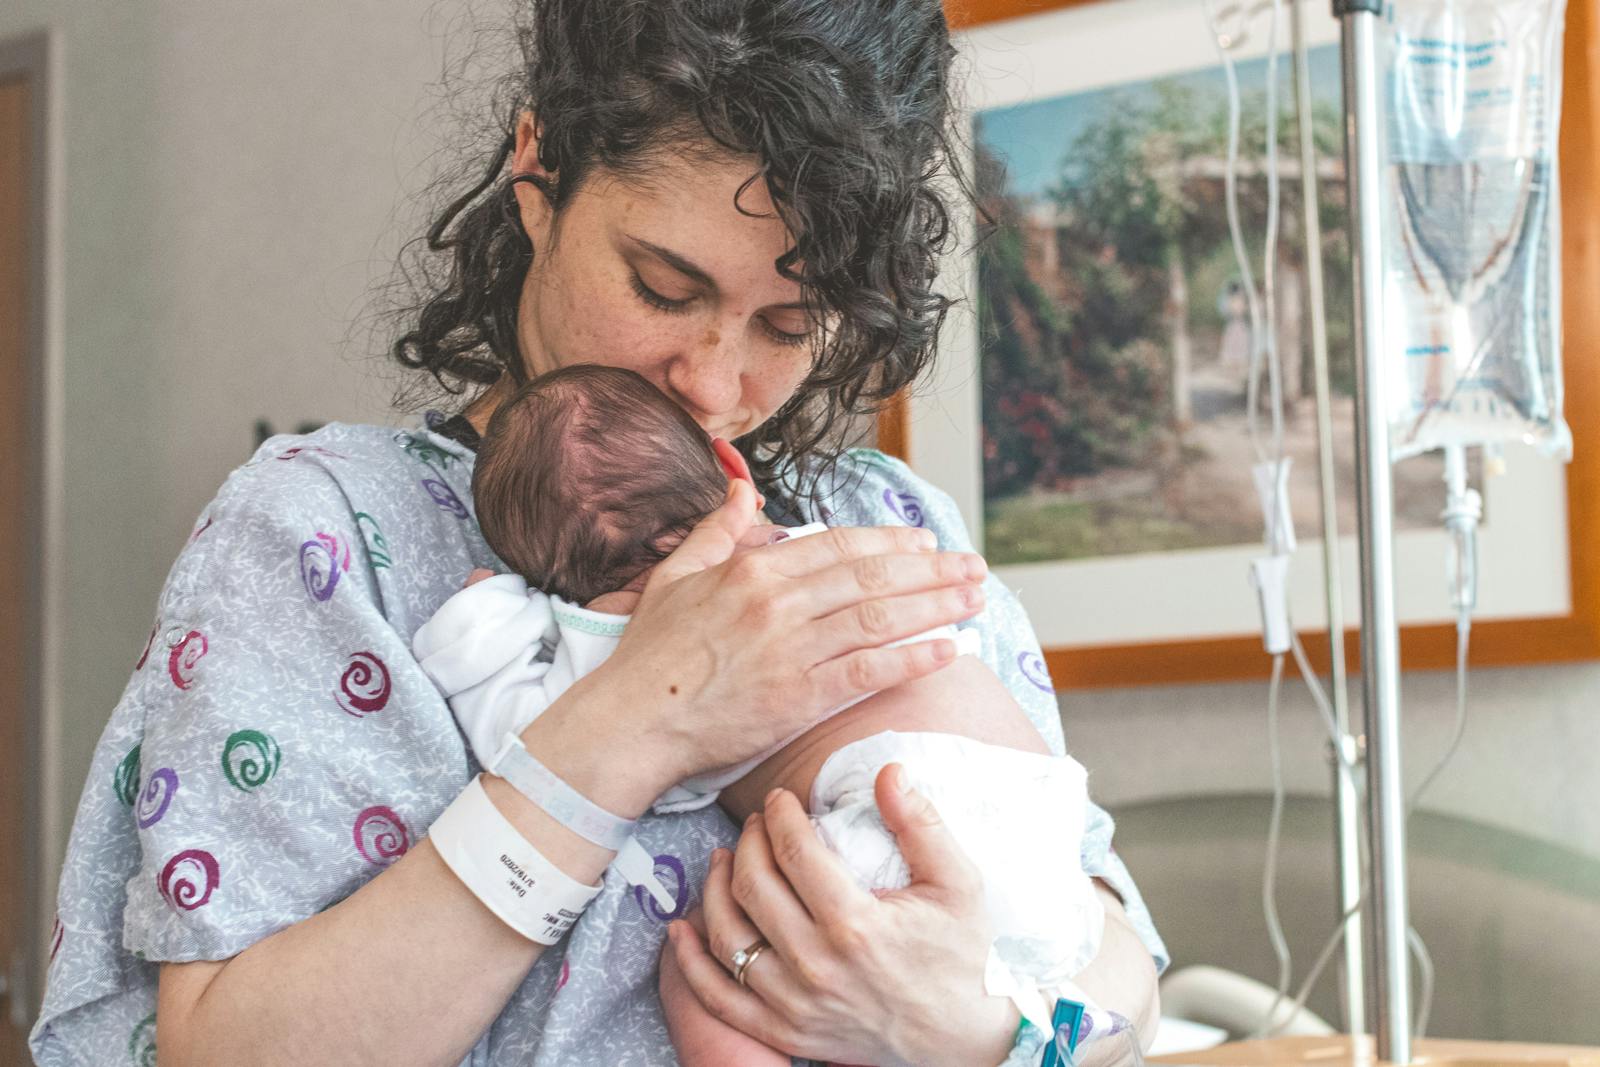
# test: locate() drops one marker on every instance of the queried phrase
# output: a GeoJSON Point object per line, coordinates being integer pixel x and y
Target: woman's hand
{"type": "Point", "coordinates": [850, 977]}
{"type": "Point", "coordinates": [728, 654]}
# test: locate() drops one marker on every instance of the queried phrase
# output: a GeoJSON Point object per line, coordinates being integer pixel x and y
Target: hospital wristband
{"type": "Point", "coordinates": [547, 792]}
{"type": "Point", "coordinates": [504, 870]}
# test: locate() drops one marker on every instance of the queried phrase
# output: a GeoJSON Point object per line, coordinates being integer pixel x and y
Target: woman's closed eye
{"type": "Point", "coordinates": [679, 306]}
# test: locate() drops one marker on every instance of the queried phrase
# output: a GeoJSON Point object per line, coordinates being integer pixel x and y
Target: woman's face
{"type": "Point", "coordinates": [670, 280]}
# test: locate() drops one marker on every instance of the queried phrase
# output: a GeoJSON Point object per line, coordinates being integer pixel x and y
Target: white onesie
{"type": "Point", "coordinates": [502, 653]}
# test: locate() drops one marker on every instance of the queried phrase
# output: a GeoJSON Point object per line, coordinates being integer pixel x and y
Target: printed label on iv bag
{"type": "Point", "coordinates": [1472, 288]}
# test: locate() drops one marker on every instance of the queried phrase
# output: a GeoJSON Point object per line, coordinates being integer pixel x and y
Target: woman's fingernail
{"type": "Point", "coordinates": [927, 540]}
{"type": "Point", "coordinates": [733, 487]}
{"type": "Point", "coordinates": [944, 649]}
{"type": "Point", "coordinates": [899, 782]}
{"type": "Point", "coordinates": [771, 796]}
{"type": "Point", "coordinates": [751, 818]}
{"type": "Point", "coordinates": [974, 567]}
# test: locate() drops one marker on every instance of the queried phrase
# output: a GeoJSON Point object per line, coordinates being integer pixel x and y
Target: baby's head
{"type": "Point", "coordinates": [588, 477]}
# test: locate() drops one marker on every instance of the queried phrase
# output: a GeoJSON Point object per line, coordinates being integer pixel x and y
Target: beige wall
{"type": "Point", "coordinates": [226, 182]}
{"type": "Point", "coordinates": [1529, 762]}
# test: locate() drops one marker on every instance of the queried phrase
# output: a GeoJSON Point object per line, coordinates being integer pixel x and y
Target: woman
{"type": "Point", "coordinates": [734, 198]}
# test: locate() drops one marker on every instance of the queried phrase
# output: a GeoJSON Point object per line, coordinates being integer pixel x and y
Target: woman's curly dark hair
{"type": "Point", "coordinates": [844, 103]}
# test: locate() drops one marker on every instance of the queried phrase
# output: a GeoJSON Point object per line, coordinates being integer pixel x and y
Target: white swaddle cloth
{"type": "Point", "coordinates": [1019, 816]}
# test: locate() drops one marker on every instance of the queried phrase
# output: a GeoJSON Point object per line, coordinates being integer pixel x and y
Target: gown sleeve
{"type": "Point", "coordinates": [291, 747]}
{"type": "Point", "coordinates": [873, 489]}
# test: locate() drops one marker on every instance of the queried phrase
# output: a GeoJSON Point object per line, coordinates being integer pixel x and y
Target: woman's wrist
{"type": "Point", "coordinates": [595, 737]}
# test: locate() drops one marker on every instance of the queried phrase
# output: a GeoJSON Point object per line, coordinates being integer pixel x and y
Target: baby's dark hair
{"type": "Point", "coordinates": [588, 477]}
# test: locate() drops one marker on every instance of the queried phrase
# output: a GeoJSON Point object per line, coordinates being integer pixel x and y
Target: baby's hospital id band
{"type": "Point", "coordinates": [502, 868]}
{"type": "Point", "coordinates": [545, 789]}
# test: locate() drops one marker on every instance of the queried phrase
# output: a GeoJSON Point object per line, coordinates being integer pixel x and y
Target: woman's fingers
{"type": "Point", "coordinates": [752, 900]}
{"type": "Point", "coordinates": [844, 678]}
{"type": "Point", "coordinates": [873, 623]}
{"type": "Point", "coordinates": [739, 1007]}
{"type": "Point", "coordinates": [853, 582]}
{"type": "Point", "coordinates": [821, 885]}
{"type": "Point", "coordinates": [930, 850]}
{"type": "Point", "coordinates": [711, 541]}
{"type": "Point", "coordinates": [797, 556]}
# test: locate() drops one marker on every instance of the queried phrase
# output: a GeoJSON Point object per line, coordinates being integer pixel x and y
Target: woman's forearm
{"type": "Point", "coordinates": [411, 968]}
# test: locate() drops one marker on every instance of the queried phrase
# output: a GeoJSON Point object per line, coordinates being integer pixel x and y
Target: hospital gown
{"type": "Point", "coordinates": [277, 746]}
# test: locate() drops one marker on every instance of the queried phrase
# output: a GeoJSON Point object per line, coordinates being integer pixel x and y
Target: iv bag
{"type": "Point", "coordinates": [1472, 294]}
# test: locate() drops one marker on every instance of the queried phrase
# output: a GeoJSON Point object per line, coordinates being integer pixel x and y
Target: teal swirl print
{"type": "Point", "coordinates": [249, 759]}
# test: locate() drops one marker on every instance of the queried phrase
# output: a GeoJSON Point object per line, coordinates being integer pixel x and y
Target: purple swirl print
{"type": "Point", "coordinates": [665, 865]}
{"type": "Point", "coordinates": [381, 836]}
{"type": "Point", "coordinates": [322, 560]}
{"type": "Point", "coordinates": [445, 497]}
{"type": "Point", "coordinates": [156, 797]}
{"type": "Point", "coordinates": [189, 878]}
{"type": "Point", "coordinates": [58, 933]}
{"type": "Point", "coordinates": [904, 505]}
{"type": "Point", "coordinates": [183, 660]}
{"type": "Point", "coordinates": [1033, 669]}
{"type": "Point", "coordinates": [364, 685]}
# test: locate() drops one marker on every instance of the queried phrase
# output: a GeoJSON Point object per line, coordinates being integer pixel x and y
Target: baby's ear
{"type": "Point", "coordinates": [732, 462]}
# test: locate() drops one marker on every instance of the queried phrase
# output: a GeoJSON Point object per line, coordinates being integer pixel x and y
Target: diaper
{"type": "Point", "coordinates": [1019, 816]}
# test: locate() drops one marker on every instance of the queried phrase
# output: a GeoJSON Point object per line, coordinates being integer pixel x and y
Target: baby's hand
{"type": "Point", "coordinates": [477, 576]}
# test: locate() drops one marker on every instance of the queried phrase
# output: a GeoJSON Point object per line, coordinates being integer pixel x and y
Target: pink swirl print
{"type": "Point", "coordinates": [291, 453]}
{"type": "Point", "coordinates": [566, 974]}
{"type": "Point", "coordinates": [202, 528]}
{"type": "Point", "coordinates": [364, 685]}
{"type": "Point", "coordinates": [445, 497]}
{"type": "Point", "coordinates": [1033, 669]}
{"type": "Point", "coordinates": [322, 560]}
{"type": "Point", "coordinates": [156, 797]}
{"type": "Point", "coordinates": [189, 878]}
{"type": "Point", "coordinates": [185, 658]}
{"type": "Point", "coordinates": [904, 505]}
{"type": "Point", "coordinates": [381, 836]}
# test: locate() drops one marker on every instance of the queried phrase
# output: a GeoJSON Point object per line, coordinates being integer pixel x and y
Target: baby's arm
{"type": "Point", "coordinates": [965, 698]}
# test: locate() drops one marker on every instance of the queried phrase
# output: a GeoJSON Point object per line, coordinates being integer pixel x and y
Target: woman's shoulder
{"type": "Point", "coordinates": [394, 501]}
{"type": "Point", "coordinates": [867, 487]}
{"type": "Point", "coordinates": [345, 461]}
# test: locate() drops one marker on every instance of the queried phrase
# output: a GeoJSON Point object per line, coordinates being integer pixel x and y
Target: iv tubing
{"type": "Point", "coordinates": [1347, 799]}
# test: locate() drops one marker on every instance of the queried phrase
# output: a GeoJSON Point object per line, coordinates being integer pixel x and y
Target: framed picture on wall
{"type": "Point", "coordinates": [1090, 412]}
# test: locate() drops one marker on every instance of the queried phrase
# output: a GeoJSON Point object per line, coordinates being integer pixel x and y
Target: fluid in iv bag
{"type": "Point", "coordinates": [1472, 238]}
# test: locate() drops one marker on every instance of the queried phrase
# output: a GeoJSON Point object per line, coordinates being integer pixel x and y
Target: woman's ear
{"type": "Point", "coordinates": [533, 204]}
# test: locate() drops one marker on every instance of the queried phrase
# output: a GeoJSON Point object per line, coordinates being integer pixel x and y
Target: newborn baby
{"type": "Point", "coordinates": [584, 481]}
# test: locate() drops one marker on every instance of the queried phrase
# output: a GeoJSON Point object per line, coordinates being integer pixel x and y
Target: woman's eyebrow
{"type": "Point", "coordinates": [676, 262]}
{"type": "Point", "coordinates": [696, 274]}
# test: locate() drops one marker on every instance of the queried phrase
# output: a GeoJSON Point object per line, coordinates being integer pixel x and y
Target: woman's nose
{"type": "Point", "coordinates": [707, 378]}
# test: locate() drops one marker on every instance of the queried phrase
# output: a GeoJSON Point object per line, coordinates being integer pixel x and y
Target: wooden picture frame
{"type": "Point", "coordinates": [1555, 638]}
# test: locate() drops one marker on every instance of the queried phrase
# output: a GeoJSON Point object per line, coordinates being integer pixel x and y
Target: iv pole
{"type": "Point", "coordinates": [1389, 978]}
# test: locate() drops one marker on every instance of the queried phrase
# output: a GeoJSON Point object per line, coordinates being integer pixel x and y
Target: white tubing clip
{"type": "Point", "coordinates": [1270, 576]}
{"type": "Point", "coordinates": [1272, 487]}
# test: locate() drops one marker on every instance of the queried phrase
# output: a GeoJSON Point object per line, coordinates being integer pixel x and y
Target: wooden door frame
{"type": "Point", "coordinates": [32, 58]}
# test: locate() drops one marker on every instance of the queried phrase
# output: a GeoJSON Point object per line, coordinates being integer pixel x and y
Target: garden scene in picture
{"type": "Point", "coordinates": [1115, 338]}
